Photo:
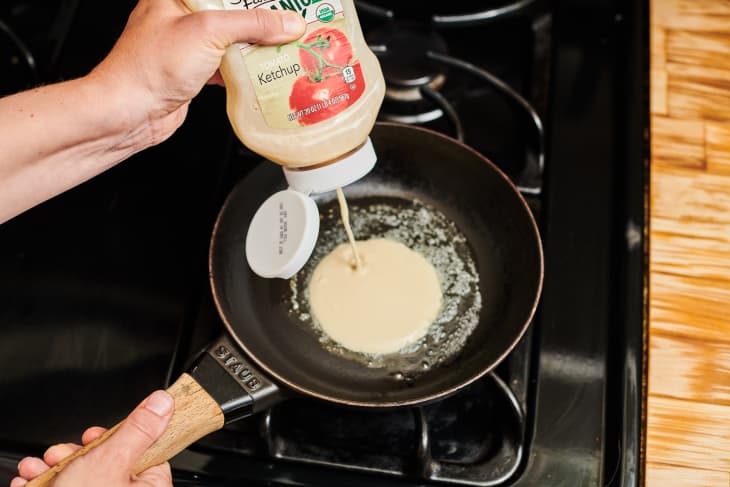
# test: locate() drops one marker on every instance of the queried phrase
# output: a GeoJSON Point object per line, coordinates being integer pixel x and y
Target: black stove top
{"type": "Point", "coordinates": [106, 291]}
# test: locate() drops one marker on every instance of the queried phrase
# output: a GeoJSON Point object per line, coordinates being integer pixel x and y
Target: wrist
{"type": "Point", "coordinates": [121, 114]}
{"type": "Point", "coordinates": [63, 134]}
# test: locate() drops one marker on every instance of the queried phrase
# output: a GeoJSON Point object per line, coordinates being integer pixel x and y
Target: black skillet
{"type": "Point", "coordinates": [265, 355]}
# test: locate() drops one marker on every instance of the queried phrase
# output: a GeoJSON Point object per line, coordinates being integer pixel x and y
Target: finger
{"type": "Point", "coordinates": [18, 482]}
{"type": "Point", "coordinates": [157, 475]}
{"type": "Point", "coordinates": [92, 434]}
{"type": "Point", "coordinates": [56, 453]}
{"type": "Point", "coordinates": [31, 467]}
{"type": "Point", "coordinates": [139, 431]}
{"type": "Point", "coordinates": [260, 26]}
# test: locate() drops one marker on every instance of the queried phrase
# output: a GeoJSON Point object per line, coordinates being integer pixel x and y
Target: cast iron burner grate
{"type": "Point", "coordinates": [475, 437]}
{"type": "Point", "coordinates": [418, 70]}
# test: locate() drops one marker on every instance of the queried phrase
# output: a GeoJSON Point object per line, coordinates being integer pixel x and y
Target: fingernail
{"type": "Point", "coordinates": [293, 23]}
{"type": "Point", "coordinates": [160, 403]}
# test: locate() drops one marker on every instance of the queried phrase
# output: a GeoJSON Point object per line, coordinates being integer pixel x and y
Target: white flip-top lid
{"type": "Point", "coordinates": [284, 230]}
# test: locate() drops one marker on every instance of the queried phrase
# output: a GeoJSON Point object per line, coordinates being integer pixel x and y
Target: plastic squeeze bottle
{"type": "Point", "coordinates": [308, 105]}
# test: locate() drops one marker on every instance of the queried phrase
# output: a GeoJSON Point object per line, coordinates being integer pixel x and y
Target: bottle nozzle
{"type": "Point", "coordinates": [337, 174]}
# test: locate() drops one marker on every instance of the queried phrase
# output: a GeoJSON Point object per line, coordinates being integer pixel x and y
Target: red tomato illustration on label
{"type": "Point", "coordinates": [315, 101]}
{"type": "Point", "coordinates": [324, 51]}
{"type": "Point", "coordinates": [330, 82]}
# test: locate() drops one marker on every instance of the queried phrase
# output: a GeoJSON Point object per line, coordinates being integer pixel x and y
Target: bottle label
{"type": "Point", "coordinates": [312, 79]}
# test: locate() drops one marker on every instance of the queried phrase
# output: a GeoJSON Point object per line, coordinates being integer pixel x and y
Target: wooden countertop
{"type": "Point", "coordinates": [688, 417]}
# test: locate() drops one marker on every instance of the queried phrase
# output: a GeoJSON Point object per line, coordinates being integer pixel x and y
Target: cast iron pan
{"type": "Point", "coordinates": [265, 355]}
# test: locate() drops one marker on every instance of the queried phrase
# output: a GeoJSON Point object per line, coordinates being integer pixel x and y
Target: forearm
{"type": "Point", "coordinates": [60, 135]}
{"type": "Point", "coordinates": [55, 137]}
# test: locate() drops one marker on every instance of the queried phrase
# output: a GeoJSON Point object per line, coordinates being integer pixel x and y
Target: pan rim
{"type": "Point", "coordinates": [283, 381]}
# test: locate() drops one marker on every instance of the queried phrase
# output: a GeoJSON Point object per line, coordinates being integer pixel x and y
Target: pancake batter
{"type": "Point", "coordinates": [386, 304]}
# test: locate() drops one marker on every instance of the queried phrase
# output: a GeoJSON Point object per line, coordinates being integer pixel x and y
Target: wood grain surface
{"type": "Point", "coordinates": [688, 417]}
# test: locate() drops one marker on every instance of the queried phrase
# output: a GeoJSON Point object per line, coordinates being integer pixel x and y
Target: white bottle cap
{"type": "Point", "coordinates": [282, 234]}
{"type": "Point", "coordinates": [284, 230]}
{"type": "Point", "coordinates": [337, 174]}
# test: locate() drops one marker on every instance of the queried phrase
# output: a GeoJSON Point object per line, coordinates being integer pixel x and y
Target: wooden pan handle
{"type": "Point", "coordinates": [196, 415]}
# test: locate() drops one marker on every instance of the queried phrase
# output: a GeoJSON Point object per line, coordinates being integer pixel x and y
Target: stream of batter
{"type": "Point", "coordinates": [345, 213]}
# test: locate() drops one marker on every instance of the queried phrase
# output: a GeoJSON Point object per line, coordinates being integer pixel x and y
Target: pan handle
{"type": "Point", "coordinates": [220, 388]}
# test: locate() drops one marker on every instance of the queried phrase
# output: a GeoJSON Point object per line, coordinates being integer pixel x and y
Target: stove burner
{"type": "Point", "coordinates": [425, 103]}
{"type": "Point", "coordinates": [402, 50]}
{"type": "Point", "coordinates": [400, 93]}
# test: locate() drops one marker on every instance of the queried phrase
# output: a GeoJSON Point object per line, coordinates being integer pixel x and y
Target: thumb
{"type": "Point", "coordinates": [259, 26]}
{"type": "Point", "coordinates": [141, 429]}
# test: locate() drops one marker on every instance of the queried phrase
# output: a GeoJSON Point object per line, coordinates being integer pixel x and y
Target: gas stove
{"type": "Point", "coordinates": [107, 283]}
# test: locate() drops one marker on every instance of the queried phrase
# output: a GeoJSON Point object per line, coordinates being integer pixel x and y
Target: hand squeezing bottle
{"type": "Point", "coordinates": [309, 106]}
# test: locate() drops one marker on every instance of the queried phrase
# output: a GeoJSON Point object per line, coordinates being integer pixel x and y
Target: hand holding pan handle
{"type": "Point", "coordinates": [220, 388]}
